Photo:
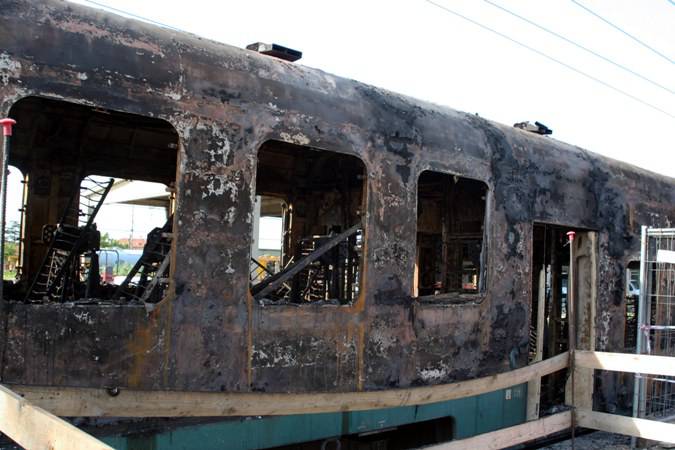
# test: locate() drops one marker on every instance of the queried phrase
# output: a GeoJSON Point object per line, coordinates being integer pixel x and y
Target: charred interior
{"type": "Point", "coordinates": [318, 196]}
{"type": "Point", "coordinates": [450, 230]}
{"type": "Point", "coordinates": [74, 158]}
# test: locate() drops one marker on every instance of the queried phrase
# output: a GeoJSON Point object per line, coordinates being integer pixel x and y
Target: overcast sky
{"type": "Point", "coordinates": [418, 49]}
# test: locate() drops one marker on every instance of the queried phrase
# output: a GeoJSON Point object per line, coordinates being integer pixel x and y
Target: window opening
{"type": "Point", "coordinates": [134, 256]}
{"type": "Point", "coordinates": [99, 203]}
{"type": "Point", "coordinates": [307, 245]}
{"type": "Point", "coordinates": [16, 195]}
{"type": "Point", "coordinates": [450, 234]}
{"type": "Point", "coordinates": [267, 242]}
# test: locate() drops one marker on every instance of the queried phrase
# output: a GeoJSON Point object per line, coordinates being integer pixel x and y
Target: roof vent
{"type": "Point", "coordinates": [278, 51]}
{"type": "Point", "coordinates": [538, 127]}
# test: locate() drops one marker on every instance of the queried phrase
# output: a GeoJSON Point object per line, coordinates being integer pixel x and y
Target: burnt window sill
{"type": "Point", "coordinates": [451, 299]}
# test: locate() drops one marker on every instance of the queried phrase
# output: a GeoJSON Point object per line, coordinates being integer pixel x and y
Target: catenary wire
{"type": "Point", "coordinates": [551, 58]}
{"type": "Point", "coordinates": [135, 16]}
{"type": "Point", "coordinates": [618, 28]}
{"type": "Point", "coordinates": [591, 77]}
{"type": "Point", "coordinates": [576, 44]}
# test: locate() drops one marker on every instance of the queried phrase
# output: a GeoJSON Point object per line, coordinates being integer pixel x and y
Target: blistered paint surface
{"type": "Point", "coordinates": [224, 103]}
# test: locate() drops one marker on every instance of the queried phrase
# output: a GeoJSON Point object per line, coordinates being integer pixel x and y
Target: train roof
{"type": "Point", "coordinates": [158, 42]}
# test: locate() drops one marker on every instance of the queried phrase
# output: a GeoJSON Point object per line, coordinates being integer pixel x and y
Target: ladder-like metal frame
{"type": "Point", "coordinates": [156, 258]}
{"type": "Point", "coordinates": [54, 265]}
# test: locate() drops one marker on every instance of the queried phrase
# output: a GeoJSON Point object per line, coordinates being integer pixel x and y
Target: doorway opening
{"type": "Point", "coordinates": [550, 294]}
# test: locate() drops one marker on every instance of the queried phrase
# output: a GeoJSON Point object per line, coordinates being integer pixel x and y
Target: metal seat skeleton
{"type": "Point", "coordinates": [151, 268]}
{"type": "Point", "coordinates": [74, 235]}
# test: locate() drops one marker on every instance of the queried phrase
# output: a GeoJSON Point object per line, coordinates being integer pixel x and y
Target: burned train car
{"type": "Point", "coordinates": [412, 236]}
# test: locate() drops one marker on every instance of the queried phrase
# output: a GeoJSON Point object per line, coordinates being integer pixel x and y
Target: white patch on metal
{"type": "Point", "coordinates": [84, 317]}
{"type": "Point", "coordinates": [9, 68]}
{"type": "Point", "coordinates": [665, 256]}
{"type": "Point", "coordinates": [218, 155]}
{"type": "Point", "coordinates": [173, 95]}
{"type": "Point", "coordinates": [299, 138]}
{"type": "Point", "coordinates": [435, 374]}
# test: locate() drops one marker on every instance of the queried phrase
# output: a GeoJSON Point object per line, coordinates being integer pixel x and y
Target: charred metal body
{"type": "Point", "coordinates": [100, 94]}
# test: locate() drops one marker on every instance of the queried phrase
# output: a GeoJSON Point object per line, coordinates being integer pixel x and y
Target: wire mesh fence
{"type": "Point", "coordinates": [656, 394]}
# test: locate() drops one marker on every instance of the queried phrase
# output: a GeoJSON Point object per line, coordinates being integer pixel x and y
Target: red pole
{"type": "Point", "coordinates": [7, 125]}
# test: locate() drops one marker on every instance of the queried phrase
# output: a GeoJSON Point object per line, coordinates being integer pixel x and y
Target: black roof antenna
{"type": "Point", "coordinates": [276, 50]}
{"type": "Point", "coordinates": [538, 127]}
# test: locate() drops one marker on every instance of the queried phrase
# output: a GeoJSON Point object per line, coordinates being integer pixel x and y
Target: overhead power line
{"type": "Point", "coordinates": [135, 16]}
{"type": "Point", "coordinates": [532, 49]}
{"type": "Point", "coordinates": [576, 44]}
{"type": "Point", "coordinates": [618, 28]}
{"type": "Point", "coordinates": [551, 58]}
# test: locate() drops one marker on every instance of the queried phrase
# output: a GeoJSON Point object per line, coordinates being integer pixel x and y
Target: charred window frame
{"type": "Point", "coordinates": [56, 143]}
{"type": "Point", "coordinates": [318, 195]}
{"type": "Point", "coordinates": [451, 244]}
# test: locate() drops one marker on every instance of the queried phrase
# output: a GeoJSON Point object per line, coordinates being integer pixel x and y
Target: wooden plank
{"type": "Point", "coordinates": [642, 428]}
{"type": "Point", "coordinates": [626, 362]}
{"type": "Point", "coordinates": [34, 428]}
{"type": "Point", "coordinates": [585, 288]}
{"type": "Point", "coordinates": [585, 293]}
{"type": "Point", "coordinates": [511, 436]}
{"type": "Point", "coordinates": [129, 403]}
{"type": "Point", "coordinates": [534, 386]}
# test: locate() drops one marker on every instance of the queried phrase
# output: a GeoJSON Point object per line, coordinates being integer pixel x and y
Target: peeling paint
{"type": "Point", "coordinates": [297, 138]}
{"type": "Point", "coordinates": [9, 68]}
{"type": "Point", "coordinates": [224, 104]}
{"type": "Point", "coordinates": [219, 185]}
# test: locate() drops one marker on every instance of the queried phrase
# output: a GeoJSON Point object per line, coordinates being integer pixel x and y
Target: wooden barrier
{"type": "Point", "coordinates": [507, 437]}
{"type": "Point", "coordinates": [632, 363]}
{"type": "Point", "coordinates": [641, 428]}
{"type": "Point", "coordinates": [24, 417]}
{"type": "Point", "coordinates": [129, 403]}
{"type": "Point", "coordinates": [34, 428]}
{"type": "Point", "coordinates": [626, 362]}
{"type": "Point", "coordinates": [529, 431]}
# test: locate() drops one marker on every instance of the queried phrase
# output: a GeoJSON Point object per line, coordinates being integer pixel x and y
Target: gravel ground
{"type": "Point", "coordinates": [599, 441]}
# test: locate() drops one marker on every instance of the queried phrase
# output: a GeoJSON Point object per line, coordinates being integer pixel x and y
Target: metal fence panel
{"type": "Point", "coordinates": [655, 395]}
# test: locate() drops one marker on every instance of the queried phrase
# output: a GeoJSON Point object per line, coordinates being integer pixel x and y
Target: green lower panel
{"type": "Point", "coordinates": [473, 415]}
